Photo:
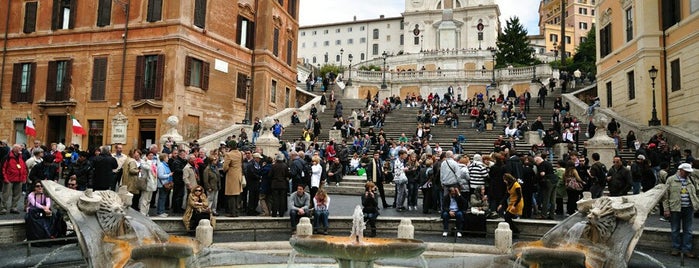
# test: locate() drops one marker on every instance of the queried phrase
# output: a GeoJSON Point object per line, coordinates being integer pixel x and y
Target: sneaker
{"type": "Point", "coordinates": [458, 234]}
{"type": "Point", "coordinates": [3, 211]}
{"type": "Point", "coordinates": [337, 184]}
{"type": "Point", "coordinates": [663, 219]}
{"type": "Point", "coordinates": [444, 234]}
{"type": "Point", "coordinates": [162, 215]}
{"type": "Point", "coordinates": [675, 253]}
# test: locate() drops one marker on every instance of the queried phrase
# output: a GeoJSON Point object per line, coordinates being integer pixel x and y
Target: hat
{"type": "Point", "coordinates": [256, 155]}
{"type": "Point", "coordinates": [686, 167]}
{"type": "Point", "coordinates": [232, 144]}
{"type": "Point", "coordinates": [222, 143]}
{"type": "Point", "coordinates": [651, 146]}
{"type": "Point", "coordinates": [280, 157]}
{"type": "Point", "coordinates": [477, 157]}
{"type": "Point", "coordinates": [641, 157]}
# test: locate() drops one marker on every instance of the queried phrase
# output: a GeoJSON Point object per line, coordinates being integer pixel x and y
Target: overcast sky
{"type": "Point", "coordinates": [329, 11]}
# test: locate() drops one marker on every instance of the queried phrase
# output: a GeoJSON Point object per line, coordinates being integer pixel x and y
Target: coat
{"type": "Point", "coordinates": [671, 198]}
{"type": "Point", "coordinates": [103, 165]}
{"type": "Point", "coordinates": [200, 203]}
{"type": "Point", "coordinates": [14, 169]}
{"type": "Point", "coordinates": [233, 166]}
{"type": "Point", "coordinates": [130, 175]}
{"type": "Point", "coordinates": [211, 178]}
{"type": "Point", "coordinates": [189, 175]}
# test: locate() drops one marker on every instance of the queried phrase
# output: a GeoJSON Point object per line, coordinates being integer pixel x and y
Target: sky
{"type": "Point", "coordinates": [330, 11]}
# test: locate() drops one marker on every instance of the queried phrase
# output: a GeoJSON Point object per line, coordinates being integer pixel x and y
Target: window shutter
{"type": "Point", "coordinates": [187, 71]}
{"type": "Point", "coordinates": [67, 81]}
{"type": "Point", "coordinates": [99, 75]}
{"type": "Point", "coordinates": [239, 32]}
{"type": "Point", "coordinates": [154, 10]}
{"type": "Point", "coordinates": [200, 13]}
{"type": "Point", "coordinates": [32, 84]}
{"type": "Point", "coordinates": [160, 73]}
{"type": "Point", "coordinates": [205, 75]}
{"type": "Point", "coordinates": [30, 17]}
{"type": "Point", "coordinates": [138, 79]}
{"type": "Point", "coordinates": [73, 11]}
{"type": "Point", "coordinates": [275, 46]}
{"type": "Point", "coordinates": [104, 13]}
{"type": "Point", "coordinates": [51, 81]}
{"type": "Point", "coordinates": [251, 35]}
{"type": "Point", "coordinates": [56, 20]}
{"type": "Point", "coordinates": [16, 82]}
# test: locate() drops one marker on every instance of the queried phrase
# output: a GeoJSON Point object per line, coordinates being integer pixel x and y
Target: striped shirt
{"type": "Point", "coordinates": [479, 174]}
{"type": "Point", "coordinates": [684, 194]}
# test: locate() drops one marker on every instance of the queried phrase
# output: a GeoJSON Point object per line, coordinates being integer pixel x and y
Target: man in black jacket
{"type": "Point", "coordinates": [374, 171]}
{"type": "Point", "coordinates": [619, 178]}
{"type": "Point", "coordinates": [103, 165]}
{"type": "Point", "coordinates": [453, 206]}
{"type": "Point", "coordinates": [177, 165]}
{"type": "Point", "coordinates": [253, 176]}
{"type": "Point", "coordinates": [548, 180]}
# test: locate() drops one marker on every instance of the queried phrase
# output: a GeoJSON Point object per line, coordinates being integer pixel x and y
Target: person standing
{"type": "Point", "coordinates": [118, 172]}
{"type": "Point", "coordinates": [598, 174]}
{"type": "Point", "coordinates": [542, 96]}
{"type": "Point", "coordinates": [253, 177]}
{"type": "Point", "coordinates": [375, 174]}
{"type": "Point", "coordinates": [512, 204]}
{"type": "Point", "coordinates": [370, 206]}
{"type": "Point", "coordinates": [233, 167]}
{"type": "Point", "coordinates": [618, 178]}
{"type": "Point", "coordinates": [280, 185]}
{"type": "Point", "coordinates": [104, 166]}
{"type": "Point", "coordinates": [211, 180]}
{"type": "Point", "coordinates": [547, 184]}
{"type": "Point", "coordinates": [680, 202]}
{"type": "Point", "coordinates": [14, 171]}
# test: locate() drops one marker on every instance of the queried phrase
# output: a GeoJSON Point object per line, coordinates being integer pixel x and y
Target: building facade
{"type": "Point", "coordinates": [123, 67]}
{"type": "Point", "coordinates": [635, 36]}
{"type": "Point", "coordinates": [426, 25]}
{"type": "Point", "coordinates": [579, 19]}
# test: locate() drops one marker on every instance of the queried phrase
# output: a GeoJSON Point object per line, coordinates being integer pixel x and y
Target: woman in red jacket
{"type": "Point", "coordinates": [14, 172]}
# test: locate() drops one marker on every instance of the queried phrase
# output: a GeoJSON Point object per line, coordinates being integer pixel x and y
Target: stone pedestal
{"type": "Point", "coordinates": [406, 229]}
{"type": "Point", "coordinates": [205, 233]}
{"type": "Point", "coordinates": [304, 227]}
{"type": "Point", "coordinates": [603, 145]}
{"type": "Point", "coordinates": [503, 237]}
{"type": "Point", "coordinates": [173, 135]}
{"type": "Point", "coordinates": [532, 137]}
{"type": "Point", "coordinates": [559, 149]}
{"type": "Point", "coordinates": [268, 142]}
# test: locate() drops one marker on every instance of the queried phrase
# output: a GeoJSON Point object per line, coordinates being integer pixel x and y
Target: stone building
{"type": "Point", "coordinates": [122, 78]}
{"type": "Point", "coordinates": [579, 19]}
{"type": "Point", "coordinates": [635, 36]}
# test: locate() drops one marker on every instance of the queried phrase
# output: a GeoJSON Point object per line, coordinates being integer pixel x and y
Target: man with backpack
{"type": "Point", "coordinates": [277, 129]}
{"type": "Point", "coordinates": [598, 173]}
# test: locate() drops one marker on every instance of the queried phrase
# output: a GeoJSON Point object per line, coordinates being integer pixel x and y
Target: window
{"type": "Point", "coordinates": [553, 37]}
{"type": "Point", "coordinates": [246, 30]}
{"type": "Point", "coordinates": [388, 26]}
{"type": "Point", "coordinates": [416, 40]}
{"type": "Point", "coordinates": [325, 31]}
{"type": "Point", "coordinates": [200, 13]}
{"type": "Point", "coordinates": [583, 25]}
{"type": "Point", "coordinates": [315, 44]}
{"type": "Point", "coordinates": [609, 94]}
{"type": "Point", "coordinates": [338, 42]}
{"type": "Point", "coordinates": [99, 79]}
{"type": "Point", "coordinates": [583, 39]}
{"type": "Point", "coordinates": [315, 32]}
{"type": "Point", "coordinates": [104, 13]}
{"type": "Point", "coordinates": [693, 6]}
{"type": "Point", "coordinates": [303, 45]}
{"type": "Point", "coordinates": [375, 49]}
{"type": "Point", "coordinates": [287, 97]}
{"type": "Point", "coordinates": [23, 75]}
{"type": "Point", "coordinates": [388, 38]}
{"type": "Point", "coordinates": [605, 40]}
{"type": "Point", "coordinates": [401, 40]}
{"type": "Point", "coordinates": [671, 13]}
{"type": "Point", "coordinates": [326, 58]}
{"type": "Point", "coordinates": [281, 2]}
{"type": "Point", "coordinates": [303, 33]}
{"type": "Point", "coordinates": [196, 73]}
{"type": "Point", "coordinates": [376, 34]}
{"type": "Point", "coordinates": [361, 28]}
{"type": "Point", "coordinates": [337, 58]}
{"type": "Point", "coordinates": [362, 56]}
{"type": "Point", "coordinates": [632, 85]}
{"type": "Point", "coordinates": [567, 39]}
{"type": "Point", "coordinates": [289, 51]}
{"type": "Point", "coordinates": [292, 8]}
{"type": "Point", "coordinates": [349, 29]}
{"type": "Point", "coordinates": [337, 30]}
{"type": "Point", "coordinates": [29, 17]}
{"type": "Point", "coordinates": [95, 133]}
{"type": "Point", "coordinates": [150, 71]}
{"type": "Point", "coordinates": [273, 96]}
{"type": "Point", "coordinates": [241, 86]}
{"type": "Point", "coordinates": [155, 10]}
{"type": "Point", "coordinates": [362, 40]}
{"type": "Point", "coordinates": [58, 80]}
{"type": "Point", "coordinates": [592, 12]}
{"type": "Point", "coordinates": [63, 14]}
{"type": "Point", "coordinates": [326, 43]}
{"type": "Point", "coordinates": [350, 41]}
{"type": "Point", "coordinates": [582, 11]}
{"type": "Point", "coordinates": [275, 46]}
{"type": "Point", "coordinates": [629, 24]}
{"type": "Point", "coordinates": [314, 59]}
{"type": "Point", "coordinates": [675, 83]}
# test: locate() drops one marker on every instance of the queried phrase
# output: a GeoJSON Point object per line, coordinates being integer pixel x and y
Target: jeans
{"type": "Point", "coordinates": [321, 217]}
{"type": "Point", "coordinates": [508, 218]}
{"type": "Point", "coordinates": [11, 191]}
{"type": "Point", "coordinates": [548, 201]}
{"type": "Point", "coordinates": [412, 194]}
{"type": "Point", "coordinates": [255, 135]}
{"type": "Point", "coordinates": [293, 214]}
{"type": "Point", "coordinates": [163, 195]}
{"type": "Point", "coordinates": [636, 187]}
{"type": "Point", "coordinates": [458, 215]}
{"type": "Point", "coordinates": [684, 217]}
{"type": "Point", "coordinates": [400, 194]}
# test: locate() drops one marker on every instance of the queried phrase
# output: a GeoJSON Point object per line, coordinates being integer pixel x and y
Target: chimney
{"type": "Point", "coordinates": [355, 18]}
{"type": "Point", "coordinates": [381, 17]}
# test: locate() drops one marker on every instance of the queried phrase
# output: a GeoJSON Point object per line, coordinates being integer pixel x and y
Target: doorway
{"type": "Point", "coordinates": [146, 133]}
{"type": "Point", "coordinates": [56, 128]}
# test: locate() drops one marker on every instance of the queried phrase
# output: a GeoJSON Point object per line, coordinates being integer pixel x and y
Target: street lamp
{"type": "Point", "coordinates": [493, 51]}
{"type": "Point", "coordinates": [653, 73]}
{"type": "Point", "coordinates": [534, 66]}
{"type": "Point", "coordinates": [341, 51]}
{"type": "Point", "coordinates": [555, 51]}
{"type": "Point", "coordinates": [383, 83]}
{"type": "Point", "coordinates": [248, 83]}
{"type": "Point", "coordinates": [349, 79]}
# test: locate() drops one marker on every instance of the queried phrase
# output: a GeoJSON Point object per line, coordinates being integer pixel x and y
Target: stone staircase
{"type": "Point", "coordinates": [292, 132]}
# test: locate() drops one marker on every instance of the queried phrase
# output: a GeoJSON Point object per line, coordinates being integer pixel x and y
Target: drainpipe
{"type": "Point", "coordinates": [123, 54]}
{"type": "Point", "coordinates": [666, 110]}
{"type": "Point", "coordinates": [4, 51]}
{"type": "Point", "coordinates": [252, 62]}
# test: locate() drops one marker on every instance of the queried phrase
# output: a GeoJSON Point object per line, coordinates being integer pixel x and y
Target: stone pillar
{"type": "Point", "coordinates": [603, 145]}
{"type": "Point", "coordinates": [503, 237]}
{"type": "Point", "coordinates": [205, 233]}
{"type": "Point", "coordinates": [559, 149]}
{"type": "Point", "coordinates": [532, 137]}
{"type": "Point", "coordinates": [173, 135]}
{"type": "Point", "coordinates": [406, 229]}
{"type": "Point", "coordinates": [304, 227]}
{"type": "Point", "coordinates": [268, 142]}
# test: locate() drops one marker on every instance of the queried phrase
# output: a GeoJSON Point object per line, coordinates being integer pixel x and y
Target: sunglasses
{"type": "Point", "coordinates": [197, 190]}
{"type": "Point", "coordinates": [72, 184]}
{"type": "Point", "coordinates": [38, 186]}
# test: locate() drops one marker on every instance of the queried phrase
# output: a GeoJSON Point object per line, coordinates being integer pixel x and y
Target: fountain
{"type": "Point", "coordinates": [603, 233]}
{"type": "Point", "coordinates": [356, 250]}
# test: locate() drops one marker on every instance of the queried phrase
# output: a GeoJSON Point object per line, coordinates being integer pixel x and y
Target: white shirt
{"type": "Point", "coordinates": [316, 170]}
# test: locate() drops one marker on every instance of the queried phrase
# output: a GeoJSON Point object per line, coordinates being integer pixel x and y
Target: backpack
{"type": "Point", "coordinates": [277, 129]}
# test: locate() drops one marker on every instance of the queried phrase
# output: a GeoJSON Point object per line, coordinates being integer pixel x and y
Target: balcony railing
{"type": "Point", "coordinates": [504, 74]}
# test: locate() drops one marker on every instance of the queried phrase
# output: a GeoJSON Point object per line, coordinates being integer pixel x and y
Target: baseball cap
{"type": "Point", "coordinates": [686, 167]}
{"type": "Point", "coordinates": [641, 157]}
{"type": "Point", "coordinates": [256, 155]}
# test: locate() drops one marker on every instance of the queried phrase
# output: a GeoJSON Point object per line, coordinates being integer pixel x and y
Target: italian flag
{"type": "Point", "coordinates": [29, 128]}
{"type": "Point", "coordinates": [77, 128]}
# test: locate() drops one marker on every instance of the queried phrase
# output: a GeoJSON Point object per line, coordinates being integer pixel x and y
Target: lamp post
{"type": "Point", "coordinates": [248, 83]}
{"type": "Point", "coordinates": [534, 66]}
{"type": "Point", "coordinates": [555, 51]}
{"type": "Point", "coordinates": [341, 52]}
{"type": "Point", "coordinates": [653, 73]}
{"type": "Point", "coordinates": [349, 79]}
{"type": "Point", "coordinates": [493, 51]}
{"type": "Point", "coordinates": [383, 82]}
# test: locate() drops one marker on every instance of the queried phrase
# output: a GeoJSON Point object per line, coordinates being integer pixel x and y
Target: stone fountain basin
{"type": "Point", "coordinates": [346, 248]}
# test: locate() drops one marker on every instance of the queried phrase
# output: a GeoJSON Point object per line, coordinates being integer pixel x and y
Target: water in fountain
{"type": "Point", "coordinates": [292, 258]}
{"type": "Point", "coordinates": [575, 232]}
{"type": "Point", "coordinates": [358, 225]}
{"type": "Point", "coordinates": [423, 261]}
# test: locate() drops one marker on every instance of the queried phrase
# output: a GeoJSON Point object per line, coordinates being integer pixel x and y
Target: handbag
{"type": "Point", "coordinates": [141, 182]}
{"type": "Point", "coordinates": [573, 184]}
{"type": "Point", "coordinates": [168, 185]}
{"type": "Point", "coordinates": [243, 182]}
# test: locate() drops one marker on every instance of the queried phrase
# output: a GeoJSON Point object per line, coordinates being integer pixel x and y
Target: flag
{"type": "Point", "coordinates": [29, 128]}
{"type": "Point", "coordinates": [77, 128]}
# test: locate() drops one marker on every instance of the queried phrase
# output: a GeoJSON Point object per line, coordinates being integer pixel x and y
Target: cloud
{"type": "Point", "coordinates": [314, 12]}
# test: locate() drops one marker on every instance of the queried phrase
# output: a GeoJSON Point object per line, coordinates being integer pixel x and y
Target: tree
{"type": "Point", "coordinates": [513, 45]}
{"type": "Point", "coordinates": [586, 55]}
